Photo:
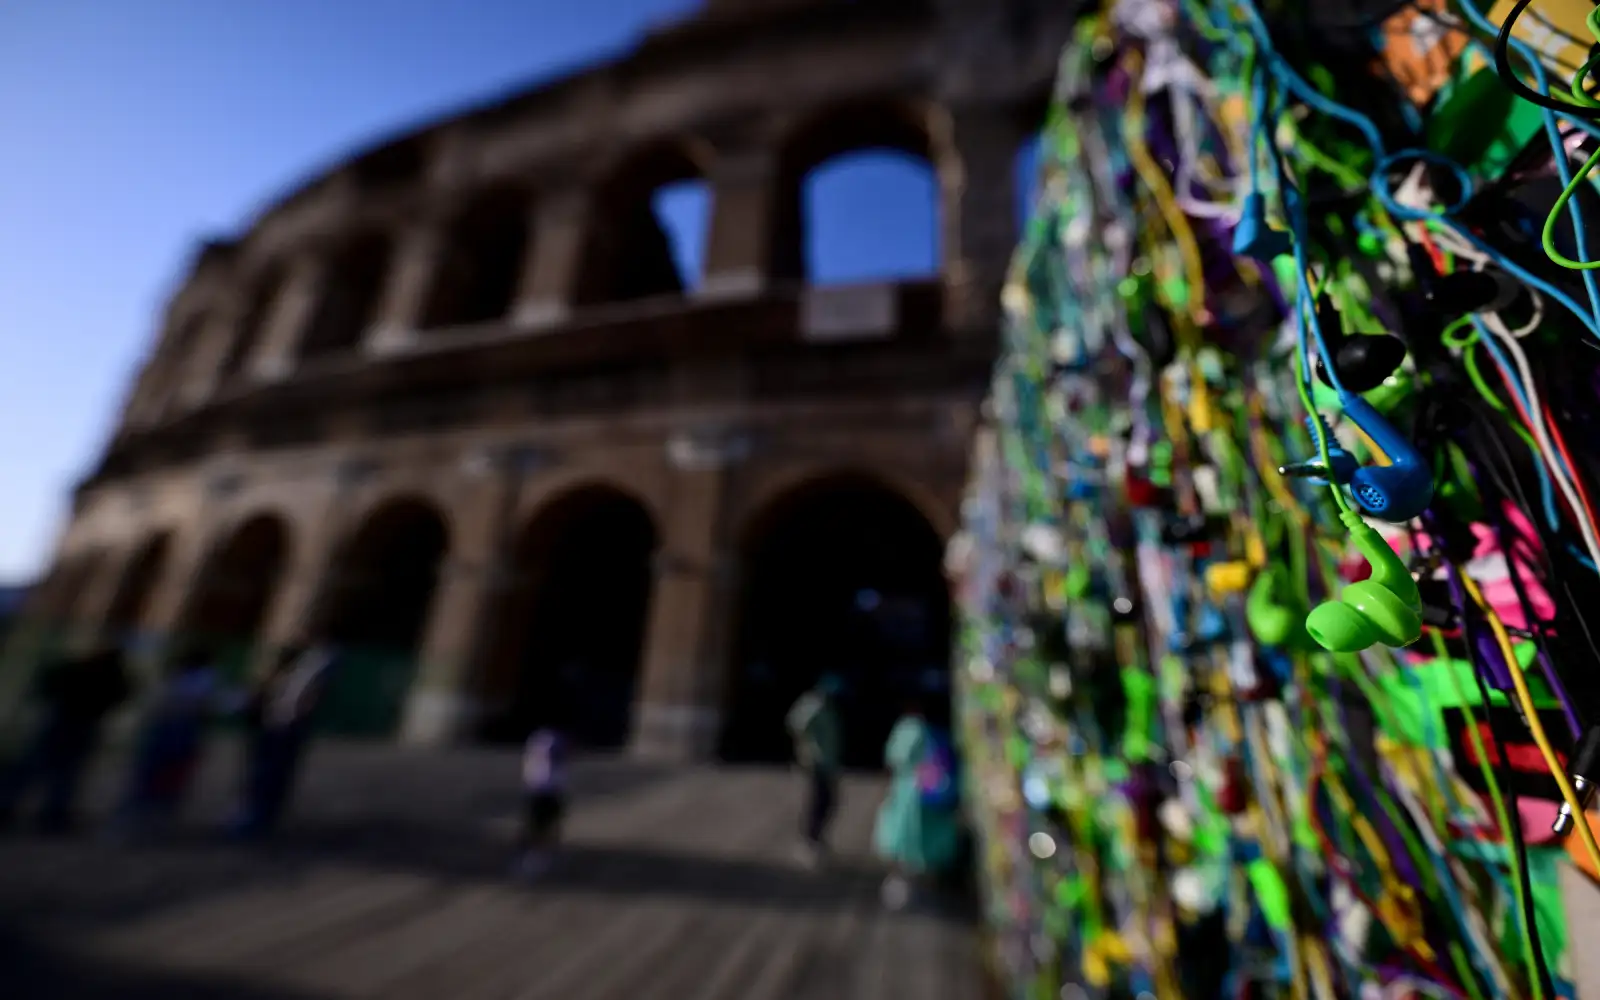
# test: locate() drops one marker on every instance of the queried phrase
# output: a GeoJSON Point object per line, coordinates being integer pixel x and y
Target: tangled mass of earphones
{"type": "Point", "coordinates": [1276, 672]}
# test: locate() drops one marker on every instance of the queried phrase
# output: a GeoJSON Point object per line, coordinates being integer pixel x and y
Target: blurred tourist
{"type": "Point", "coordinates": [544, 787]}
{"type": "Point", "coordinates": [74, 696]}
{"type": "Point", "coordinates": [170, 741]}
{"type": "Point", "coordinates": [918, 828]}
{"type": "Point", "coordinates": [814, 725]}
{"type": "Point", "coordinates": [279, 718]}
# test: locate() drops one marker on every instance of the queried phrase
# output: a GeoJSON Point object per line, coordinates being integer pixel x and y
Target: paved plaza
{"type": "Point", "coordinates": [389, 881]}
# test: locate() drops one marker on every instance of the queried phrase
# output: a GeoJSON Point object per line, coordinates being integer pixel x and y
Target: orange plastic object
{"type": "Point", "coordinates": [1575, 850]}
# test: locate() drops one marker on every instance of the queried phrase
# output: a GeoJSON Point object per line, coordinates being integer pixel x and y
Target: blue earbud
{"type": "Point", "coordinates": [1253, 237]}
{"type": "Point", "coordinates": [1396, 492]}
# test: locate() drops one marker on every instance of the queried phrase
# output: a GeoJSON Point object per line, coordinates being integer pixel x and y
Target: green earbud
{"type": "Point", "coordinates": [1275, 619]}
{"type": "Point", "coordinates": [1385, 608]}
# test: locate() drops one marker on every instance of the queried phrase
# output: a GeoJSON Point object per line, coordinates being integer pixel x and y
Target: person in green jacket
{"type": "Point", "coordinates": [814, 725]}
{"type": "Point", "coordinates": [918, 828]}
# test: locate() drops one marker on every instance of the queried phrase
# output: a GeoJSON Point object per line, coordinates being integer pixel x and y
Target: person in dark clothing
{"type": "Point", "coordinates": [75, 694]}
{"type": "Point", "coordinates": [279, 716]}
{"type": "Point", "coordinates": [170, 742]}
{"type": "Point", "coordinates": [816, 729]}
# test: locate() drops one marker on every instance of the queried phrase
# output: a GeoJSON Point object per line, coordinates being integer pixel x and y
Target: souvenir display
{"type": "Point", "coordinates": [1275, 677]}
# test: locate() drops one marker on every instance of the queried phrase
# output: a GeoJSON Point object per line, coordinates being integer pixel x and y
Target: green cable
{"type": "Point", "coordinates": [1202, 23]}
{"type": "Point", "coordinates": [1469, 359]}
{"type": "Point", "coordinates": [1583, 99]}
{"type": "Point", "coordinates": [1580, 95]}
{"type": "Point", "coordinates": [1468, 975]}
{"type": "Point", "coordinates": [1499, 808]}
{"type": "Point", "coordinates": [1321, 437]}
{"type": "Point", "coordinates": [1556, 210]}
{"type": "Point", "coordinates": [1318, 431]}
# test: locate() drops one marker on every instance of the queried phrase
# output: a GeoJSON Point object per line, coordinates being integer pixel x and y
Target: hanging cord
{"type": "Point", "coordinates": [1502, 66]}
{"type": "Point", "coordinates": [1535, 726]}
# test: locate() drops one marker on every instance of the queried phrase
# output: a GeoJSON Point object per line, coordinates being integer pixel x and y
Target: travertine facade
{"type": "Point", "coordinates": [481, 317]}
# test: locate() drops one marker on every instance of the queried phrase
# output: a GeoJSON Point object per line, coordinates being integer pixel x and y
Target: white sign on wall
{"type": "Point", "coordinates": [849, 312]}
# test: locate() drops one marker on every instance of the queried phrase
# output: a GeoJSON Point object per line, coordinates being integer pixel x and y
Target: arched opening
{"type": "Point", "coordinates": [350, 295]}
{"type": "Point", "coordinates": [859, 199]}
{"type": "Point", "coordinates": [236, 588]}
{"type": "Point", "coordinates": [375, 608]}
{"type": "Point", "coordinates": [842, 576]}
{"type": "Point", "coordinates": [683, 210]}
{"type": "Point", "coordinates": [482, 263]}
{"type": "Point", "coordinates": [648, 231]}
{"type": "Point", "coordinates": [131, 599]}
{"type": "Point", "coordinates": [171, 363]}
{"type": "Point", "coordinates": [253, 322]}
{"type": "Point", "coordinates": [64, 588]}
{"type": "Point", "coordinates": [572, 622]}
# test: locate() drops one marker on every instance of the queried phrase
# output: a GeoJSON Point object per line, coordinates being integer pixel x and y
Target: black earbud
{"type": "Point", "coordinates": [1363, 361]}
{"type": "Point", "coordinates": [1461, 292]}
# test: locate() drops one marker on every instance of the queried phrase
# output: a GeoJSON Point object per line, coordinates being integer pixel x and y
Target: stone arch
{"type": "Point", "coordinates": [839, 573]}
{"type": "Point", "coordinates": [904, 129]}
{"type": "Point", "coordinates": [137, 582]}
{"type": "Point", "coordinates": [173, 358]}
{"type": "Point", "coordinates": [375, 604]}
{"type": "Point", "coordinates": [618, 477]}
{"type": "Point", "coordinates": [264, 291]}
{"type": "Point", "coordinates": [569, 628]}
{"type": "Point", "coordinates": [795, 480]}
{"type": "Point", "coordinates": [237, 583]}
{"type": "Point", "coordinates": [62, 592]}
{"type": "Point", "coordinates": [481, 261]}
{"type": "Point", "coordinates": [352, 290]}
{"type": "Point", "coordinates": [384, 574]}
{"type": "Point", "coordinates": [628, 254]}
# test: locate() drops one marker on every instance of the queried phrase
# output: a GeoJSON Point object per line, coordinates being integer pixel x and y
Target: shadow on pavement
{"type": "Point", "coordinates": [109, 885]}
{"type": "Point", "coordinates": [588, 868]}
{"type": "Point", "coordinates": [35, 970]}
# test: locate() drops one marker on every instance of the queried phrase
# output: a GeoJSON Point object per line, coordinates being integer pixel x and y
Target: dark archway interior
{"type": "Point", "coordinates": [375, 611]}
{"type": "Point", "coordinates": [477, 282]}
{"type": "Point", "coordinates": [845, 577]}
{"type": "Point", "coordinates": [178, 355]}
{"type": "Point", "coordinates": [65, 588]}
{"type": "Point", "coordinates": [629, 254]}
{"type": "Point", "coordinates": [573, 625]}
{"type": "Point", "coordinates": [263, 296]}
{"type": "Point", "coordinates": [238, 583]}
{"type": "Point", "coordinates": [138, 582]}
{"type": "Point", "coordinates": [350, 296]}
{"type": "Point", "coordinates": [384, 584]}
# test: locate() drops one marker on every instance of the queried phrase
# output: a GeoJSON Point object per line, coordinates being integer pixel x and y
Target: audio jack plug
{"type": "Point", "coordinates": [1584, 780]}
{"type": "Point", "coordinates": [1342, 465]}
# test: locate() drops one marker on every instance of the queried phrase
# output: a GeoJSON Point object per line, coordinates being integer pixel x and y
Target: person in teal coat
{"type": "Point", "coordinates": [918, 828]}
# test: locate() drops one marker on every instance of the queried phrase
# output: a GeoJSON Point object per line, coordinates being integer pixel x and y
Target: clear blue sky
{"type": "Point", "coordinates": [132, 128]}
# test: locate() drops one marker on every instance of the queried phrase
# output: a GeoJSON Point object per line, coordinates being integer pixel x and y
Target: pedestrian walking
{"type": "Point", "coordinates": [918, 826]}
{"type": "Point", "coordinates": [544, 790]}
{"type": "Point", "coordinates": [814, 726]}
{"type": "Point", "coordinates": [74, 694]}
{"type": "Point", "coordinates": [279, 718]}
{"type": "Point", "coordinates": [170, 741]}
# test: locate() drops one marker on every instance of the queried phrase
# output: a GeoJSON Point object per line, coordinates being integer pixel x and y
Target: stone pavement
{"type": "Point", "coordinates": [389, 882]}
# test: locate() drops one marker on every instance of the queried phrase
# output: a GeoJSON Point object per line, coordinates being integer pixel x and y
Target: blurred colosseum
{"type": "Point", "coordinates": [452, 404]}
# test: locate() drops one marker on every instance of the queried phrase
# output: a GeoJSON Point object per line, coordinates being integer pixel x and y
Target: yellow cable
{"type": "Point", "coordinates": [1536, 727]}
{"type": "Point", "coordinates": [1150, 172]}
